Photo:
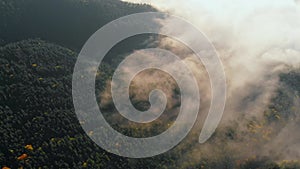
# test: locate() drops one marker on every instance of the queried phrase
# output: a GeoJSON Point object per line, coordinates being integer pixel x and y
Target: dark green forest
{"type": "Point", "coordinates": [65, 22]}
{"type": "Point", "coordinates": [40, 40]}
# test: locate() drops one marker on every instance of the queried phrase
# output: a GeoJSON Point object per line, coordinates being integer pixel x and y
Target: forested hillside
{"type": "Point", "coordinates": [37, 111]}
{"type": "Point", "coordinates": [39, 127]}
{"type": "Point", "coordinates": [40, 41]}
{"type": "Point", "coordinates": [66, 22]}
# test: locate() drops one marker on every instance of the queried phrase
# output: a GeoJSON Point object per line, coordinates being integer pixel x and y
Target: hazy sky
{"type": "Point", "coordinates": [221, 8]}
{"type": "Point", "coordinates": [254, 38]}
{"type": "Point", "coordinates": [260, 30]}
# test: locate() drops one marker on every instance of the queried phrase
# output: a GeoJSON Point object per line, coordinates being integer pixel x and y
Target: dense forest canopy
{"type": "Point", "coordinates": [38, 118]}
{"type": "Point", "coordinates": [40, 40]}
{"type": "Point", "coordinates": [66, 22]}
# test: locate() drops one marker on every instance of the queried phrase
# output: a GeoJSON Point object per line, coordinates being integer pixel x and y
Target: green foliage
{"type": "Point", "coordinates": [282, 105]}
{"type": "Point", "coordinates": [66, 22]}
{"type": "Point", "coordinates": [259, 164]}
{"type": "Point", "coordinates": [36, 108]}
{"type": "Point", "coordinates": [36, 100]}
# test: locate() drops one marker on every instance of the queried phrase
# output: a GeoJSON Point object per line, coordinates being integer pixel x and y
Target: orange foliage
{"type": "Point", "coordinates": [5, 167]}
{"type": "Point", "coordinates": [22, 157]}
{"type": "Point", "coordinates": [29, 147]}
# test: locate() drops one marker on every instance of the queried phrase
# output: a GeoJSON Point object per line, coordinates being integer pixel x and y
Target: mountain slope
{"type": "Point", "coordinates": [37, 116]}
{"type": "Point", "coordinates": [66, 22]}
{"type": "Point", "coordinates": [36, 109]}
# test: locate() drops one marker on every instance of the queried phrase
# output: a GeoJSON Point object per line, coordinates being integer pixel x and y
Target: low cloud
{"type": "Point", "coordinates": [257, 41]}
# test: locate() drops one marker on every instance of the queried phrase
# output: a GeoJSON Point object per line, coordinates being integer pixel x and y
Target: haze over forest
{"type": "Point", "coordinates": [258, 43]}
